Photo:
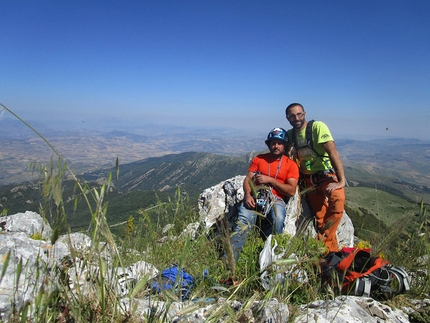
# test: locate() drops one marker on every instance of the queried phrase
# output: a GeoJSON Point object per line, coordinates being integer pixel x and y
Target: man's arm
{"type": "Point", "coordinates": [248, 199]}
{"type": "Point", "coordinates": [336, 162]}
{"type": "Point", "coordinates": [286, 189]}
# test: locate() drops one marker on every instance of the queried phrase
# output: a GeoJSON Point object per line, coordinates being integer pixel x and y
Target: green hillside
{"type": "Point", "coordinates": [376, 214]}
{"type": "Point", "coordinates": [360, 176]}
{"type": "Point", "coordinates": [192, 171]}
{"type": "Point", "coordinates": [387, 207]}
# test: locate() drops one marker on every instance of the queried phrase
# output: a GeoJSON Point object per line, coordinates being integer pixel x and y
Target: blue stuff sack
{"type": "Point", "coordinates": [174, 279]}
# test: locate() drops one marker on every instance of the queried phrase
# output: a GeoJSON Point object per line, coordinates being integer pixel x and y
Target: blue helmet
{"type": "Point", "coordinates": [277, 133]}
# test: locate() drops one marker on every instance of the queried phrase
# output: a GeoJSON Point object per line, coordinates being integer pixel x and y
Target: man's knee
{"type": "Point", "coordinates": [245, 216]}
{"type": "Point", "coordinates": [337, 201]}
{"type": "Point", "coordinates": [336, 208]}
{"type": "Point", "coordinates": [278, 217]}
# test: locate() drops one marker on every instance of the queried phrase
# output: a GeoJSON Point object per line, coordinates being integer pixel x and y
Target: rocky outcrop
{"type": "Point", "coordinates": [29, 223]}
{"type": "Point", "coordinates": [350, 309]}
{"type": "Point", "coordinates": [30, 263]}
{"type": "Point", "coordinates": [220, 201]}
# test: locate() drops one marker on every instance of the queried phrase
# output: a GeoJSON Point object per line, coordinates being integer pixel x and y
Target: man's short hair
{"type": "Point", "coordinates": [293, 105]}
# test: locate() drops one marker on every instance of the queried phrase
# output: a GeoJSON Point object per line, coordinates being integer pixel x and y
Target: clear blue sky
{"type": "Point", "coordinates": [361, 66]}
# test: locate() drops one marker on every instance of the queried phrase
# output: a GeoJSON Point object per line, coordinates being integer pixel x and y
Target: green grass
{"type": "Point", "coordinates": [387, 207]}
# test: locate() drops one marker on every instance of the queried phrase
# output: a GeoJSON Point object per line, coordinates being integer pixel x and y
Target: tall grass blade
{"type": "Point", "coordinates": [5, 260]}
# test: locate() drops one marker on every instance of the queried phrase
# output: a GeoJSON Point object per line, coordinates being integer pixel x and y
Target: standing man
{"type": "Point", "coordinates": [280, 174]}
{"type": "Point", "coordinates": [322, 171]}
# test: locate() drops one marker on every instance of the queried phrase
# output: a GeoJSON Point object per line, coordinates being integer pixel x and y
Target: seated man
{"type": "Point", "coordinates": [280, 174]}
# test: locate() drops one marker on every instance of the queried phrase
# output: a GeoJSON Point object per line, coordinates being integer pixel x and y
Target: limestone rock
{"type": "Point", "coordinates": [350, 309]}
{"type": "Point", "coordinates": [29, 223]}
{"type": "Point", "coordinates": [41, 264]}
{"type": "Point", "coordinates": [220, 200]}
{"type": "Point", "coordinates": [31, 256]}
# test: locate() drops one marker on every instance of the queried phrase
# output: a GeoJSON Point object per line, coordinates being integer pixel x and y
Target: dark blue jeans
{"type": "Point", "coordinates": [247, 219]}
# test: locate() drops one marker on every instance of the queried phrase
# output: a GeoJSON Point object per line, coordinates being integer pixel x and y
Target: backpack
{"type": "Point", "coordinates": [174, 279]}
{"type": "Point", "coordinates": [309, 139]}
{"type": "Point", "coordinates": [355, 272]}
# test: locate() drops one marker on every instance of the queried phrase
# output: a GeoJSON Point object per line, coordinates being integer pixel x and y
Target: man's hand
{"type": "Point", "coordinates": [287, 189]}
{"type": "Point", "coordinates": [263, 179]}
{"type": "Point", "coordinates": [333, 186]}
{"type": "Point", "coordinates": [249, 201]}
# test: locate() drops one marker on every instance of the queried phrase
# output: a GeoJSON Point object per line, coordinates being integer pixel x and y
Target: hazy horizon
{"type": "Point", "coordinates": [147, 127]}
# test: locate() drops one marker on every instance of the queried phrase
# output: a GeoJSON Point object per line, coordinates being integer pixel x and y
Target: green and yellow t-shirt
{"type": "Point", "coordinates": [313, 160]}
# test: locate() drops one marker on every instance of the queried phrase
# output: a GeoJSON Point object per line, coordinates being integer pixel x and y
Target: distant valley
{"type": "Point", "coordinates": [91, 150]}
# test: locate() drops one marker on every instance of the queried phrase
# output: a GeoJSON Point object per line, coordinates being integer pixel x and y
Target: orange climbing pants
{"type": "Point", "coordinates": [328, 208]}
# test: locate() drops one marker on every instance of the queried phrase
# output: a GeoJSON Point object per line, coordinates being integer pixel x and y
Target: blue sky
{"type": "Point", "coordinates": [360, 66]}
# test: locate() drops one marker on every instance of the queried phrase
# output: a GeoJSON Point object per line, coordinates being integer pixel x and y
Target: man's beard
{"type": "Point", "coordinates": [277, 153]}
{"type": "Point", "coordinates": [299, 125]}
